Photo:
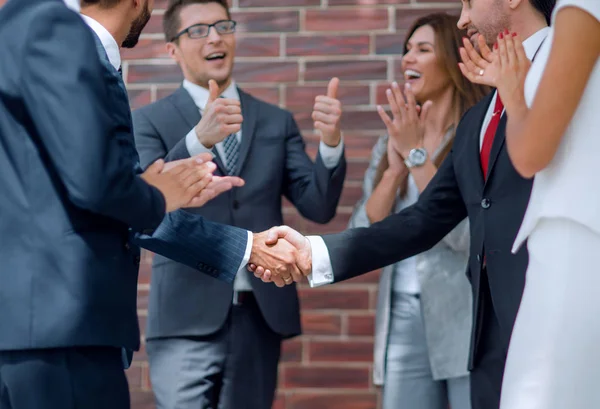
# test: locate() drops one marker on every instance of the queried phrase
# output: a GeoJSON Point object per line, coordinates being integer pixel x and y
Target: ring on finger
{"type": "Point", "coordinates": [481, 72]}
{"type": "Point", "coordinates": [288, 280]}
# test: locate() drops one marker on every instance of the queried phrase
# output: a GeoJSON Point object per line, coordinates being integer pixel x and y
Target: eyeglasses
{"type": "Point", "coordinates": [202, 30]}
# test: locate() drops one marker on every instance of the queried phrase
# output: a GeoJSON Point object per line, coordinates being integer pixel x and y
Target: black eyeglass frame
{"type": "Point", "coordinates": [187, 30]}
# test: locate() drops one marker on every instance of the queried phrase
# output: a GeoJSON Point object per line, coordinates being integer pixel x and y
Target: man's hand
{"type": "Point", "coordinates": [221, 117]}
{"type": "Point", "coordinates": [181, 182]}
{"type": "Point", "coordinates": [218, 185]}
{"type": "Point", "coordinates": [327, 115]}
{"type": "Point", "coordinates": [301, 249]}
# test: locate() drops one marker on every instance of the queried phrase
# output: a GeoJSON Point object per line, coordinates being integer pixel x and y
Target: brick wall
{"type": "Point", "coordinates": [287, 52]}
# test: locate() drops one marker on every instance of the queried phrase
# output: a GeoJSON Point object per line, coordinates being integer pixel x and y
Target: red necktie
{"type": "Point", "coordinates": [488, 138]}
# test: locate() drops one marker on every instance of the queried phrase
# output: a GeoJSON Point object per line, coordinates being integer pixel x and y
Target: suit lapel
{"type": "Point", "coordinates": [499, 139]}
{"type": "Point", "coordinates": [191, 115]}
{"type": "Point", "coordinates": [482, 108]}
{"type": "Point", "coordinates": [250, 114]}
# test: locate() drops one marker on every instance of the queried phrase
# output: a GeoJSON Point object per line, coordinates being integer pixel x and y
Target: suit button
{"type": "Point", "coordinates": [127, 246]}
{"type": "Point", "coordinates": [485, 203]}
{"type": "Point", "coordinates": [236, 205]}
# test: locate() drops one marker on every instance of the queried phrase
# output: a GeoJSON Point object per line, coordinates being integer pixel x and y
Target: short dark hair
{"type": "Point", "coordinates": [105, 4]}
{"type": "Point", "coordinates": [172, 16]}
{"type": "Point", "coordinates": [545, 7]}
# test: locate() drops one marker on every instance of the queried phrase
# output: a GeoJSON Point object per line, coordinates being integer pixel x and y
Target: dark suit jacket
{"type": "Point", "coordinates": [70, 192]}
{"type": "Point", "coordinates": [273, 163]}
{"type": "Point", "coordinates": [495, 209]}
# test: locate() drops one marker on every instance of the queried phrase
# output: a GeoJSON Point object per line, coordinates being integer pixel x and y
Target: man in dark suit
{"type": "Point", "coordinates": [72, 202]}
{"type": "Point", "coordinates": [478, 181]}
{"type": "Point", "coordinates": [213, 344]}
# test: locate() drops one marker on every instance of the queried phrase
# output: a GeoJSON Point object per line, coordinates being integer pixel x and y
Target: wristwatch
{"type": "Point", "coordinates": [416, 157]}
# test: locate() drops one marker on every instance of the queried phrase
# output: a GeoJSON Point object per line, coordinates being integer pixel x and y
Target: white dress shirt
{"type": "Point", "coordinates": [108, 41]}
{"type": "Point", "coordinates": [322, 269]}
{"type": "Point", "coordinates": [73, 5]}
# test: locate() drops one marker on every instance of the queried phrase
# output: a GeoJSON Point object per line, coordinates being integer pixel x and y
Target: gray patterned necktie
{"type": "Point", "coordinates": [231, 147]}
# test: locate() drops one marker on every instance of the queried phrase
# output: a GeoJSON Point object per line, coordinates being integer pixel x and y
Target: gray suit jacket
{"type": "Point", "coordinates": [446, 300]}
{"type": "Point", "coordinates": [273, 162]}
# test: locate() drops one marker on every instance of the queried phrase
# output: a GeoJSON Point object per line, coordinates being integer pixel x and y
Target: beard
{"type": "Point", "coordinates": [136, 28]}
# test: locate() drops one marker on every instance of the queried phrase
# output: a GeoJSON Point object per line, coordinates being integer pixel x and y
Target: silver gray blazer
{"type": "Point", "coordinates": [445, 293]}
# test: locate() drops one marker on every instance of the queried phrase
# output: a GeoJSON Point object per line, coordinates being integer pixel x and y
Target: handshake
{"type": "Point", "coordinates": [280, 255]}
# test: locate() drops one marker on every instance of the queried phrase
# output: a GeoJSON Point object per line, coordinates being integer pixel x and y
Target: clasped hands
{"type": "Point", "coordinates": [280, 255]}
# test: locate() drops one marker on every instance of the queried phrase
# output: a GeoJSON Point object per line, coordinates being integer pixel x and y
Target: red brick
{"type": "Point", "coordinates": [389, 43]}
{"type": "Point", "coordinates": [321, 324]}
{"type": "Point", "coordinates": [267, 94]}
{"type": "Point", "coordinates": [154, 73]}
{"type": "Point", "coordinates": [142, 299]}
{"type": "Point", "coordinates": [406, 17]}
{"type": "Point", "coordinates": [340, 351]}
{"type": "Point", "coordinates": [368, 278]}
{"type": "Point", "coordinates": [154, 25]}
{"type": "Point", "coordinates": [280, 402]}
{"type": "Point", "coordinates": [145, 271]}
{"type": "Point", "coordinates": [134, 376]}
{"type": "Point", "coordinates": [347, 20]}
{"type": "Point", "coordinates": [273, 21]}
{"type": "Point", "coordinates": [146, 384]}
{"type": "Point", "coordinates": [257, 47]}
{"type": "Point", "coordinates": [346, 70]}
{"type": "Point", "coordinates": [303, 97]}
{"type": "Point", "coordinates": [266, 71]}
{"type": "Point", "coordinates": [142, 400]}
{"type": "Point", "coordinates": [278, 3]}
{"type": "Point", "coordinates": [338, 224]}
{"type": "Point", "coordinates": [330, 297]}
{"type": "Point", "coordinates": [325, 377]}
{"type": "Point", "coordinates": [361, 325]}
{"type": "Point", "coordinates": [139, 97]}
{"type": "Point", "coordinates": [332, 401]}
{"type": "Point", "coordinates": [146, 48]}
{"type": "Point", "coordinates": [328, 45]}
{"type": "Point", "coordinates": [292, 351]}
{"type": "Point", "coordinates": [356, 169]}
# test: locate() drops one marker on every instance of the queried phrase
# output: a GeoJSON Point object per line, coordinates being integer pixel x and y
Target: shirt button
{"type": "Point", "coordinates": [485, 203]}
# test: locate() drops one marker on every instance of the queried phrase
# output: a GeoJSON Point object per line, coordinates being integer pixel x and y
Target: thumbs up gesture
{"type": "Point", "coordinates": [220, 118]}
{"type": "Point", "coordinates": [327, 115]}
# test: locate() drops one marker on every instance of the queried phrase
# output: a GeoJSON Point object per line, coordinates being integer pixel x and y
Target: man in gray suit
{"type": "Point", "coordinates": [213, 344]}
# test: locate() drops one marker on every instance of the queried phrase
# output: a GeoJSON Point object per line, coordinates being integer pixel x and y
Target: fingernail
{"type": "Point", "coordinates": [501, 36]}
{"type": "Point", "coordinates": [495, 46]}
{"type": "Point", "coordinates": [514, 34]}
{"type": "Point", "coordinates": [395, 84]}
{"type": "Point", "coordinates": [407, 85]}
{"type": "Point", "coordinates": [506, 31]}
{"type": "Point", "coordinates": [388, 91]}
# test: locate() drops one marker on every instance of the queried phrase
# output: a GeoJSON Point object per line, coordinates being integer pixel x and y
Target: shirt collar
{"type": "Point", "coordinates": [108, 41]}
{"type": "Point", "coordinates": [73, 5]}
{"type": "Point", "coordinates": [200, 94]}
{"type": "Point", "coordinates": [534, 41]}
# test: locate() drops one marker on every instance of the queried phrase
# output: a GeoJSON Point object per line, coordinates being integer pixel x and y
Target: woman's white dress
{"type": "Point", "coordinates": [554, 355]}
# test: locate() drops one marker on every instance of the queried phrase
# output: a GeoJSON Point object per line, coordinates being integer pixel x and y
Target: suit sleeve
{"type": "Point", "coordinates": [314, 189]}
{"type": "Point", "coordinates": [407, 233]}
{"type": "Point", "coordinates": [212, 248]}
{"type": "Point", "coordinates": [71, 112]}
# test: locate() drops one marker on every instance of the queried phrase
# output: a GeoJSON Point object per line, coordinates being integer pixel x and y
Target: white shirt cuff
{"type": "Point", "coordinates": [246, 258]}
{"type": "Point", "coordinates": [193, 145]}
{"type": "Point", "coordinates": [322, 270]}
{"type": "Point", "coordinates": [330, 155]}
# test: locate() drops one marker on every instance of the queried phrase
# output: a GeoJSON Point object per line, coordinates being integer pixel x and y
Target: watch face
{"type": "Point", "coordinates": [418, 156]}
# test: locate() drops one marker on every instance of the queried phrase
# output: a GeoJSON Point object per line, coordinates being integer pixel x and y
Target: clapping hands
{"type": "Point", "coordinates": [406, 128]}
{"type": "Point", "coordinates": [504, 68]}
